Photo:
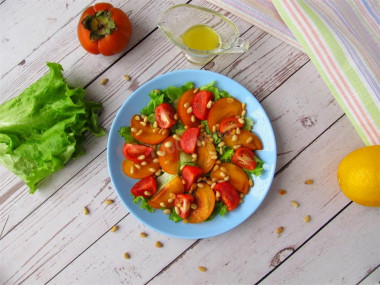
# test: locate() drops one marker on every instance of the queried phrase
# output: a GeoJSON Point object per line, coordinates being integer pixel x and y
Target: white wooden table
{"type": "Point", "coordinates": [45, 238]}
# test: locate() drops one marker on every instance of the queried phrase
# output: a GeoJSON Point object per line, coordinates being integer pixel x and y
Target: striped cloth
{"type": "Point", "coordinates": [262, 14]}
{"type": "Point", "coordinates": [342, 39]}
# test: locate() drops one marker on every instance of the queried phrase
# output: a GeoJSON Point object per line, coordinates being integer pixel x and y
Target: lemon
{"type": "Point", "coordinates": [359, 176]}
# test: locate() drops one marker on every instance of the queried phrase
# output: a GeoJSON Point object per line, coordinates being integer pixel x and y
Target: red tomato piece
{"type": "Point", "coordinates": [228, 194]}
{"type": "Point", "coordinates": [182, 205]}
{"type": "Point", "coordinates": [190, 174]}
{"type": "Point", "coordinates": [200, 102]}
{"type": "Point", "coordinates": [245, 158]}
{"type": "Point", "coordinates": [165, 115]}
{"type": "Point", "coordinates": [229, 124]}
{"type": "Point", "coordinates": [146, 187]}
{"type": "Point", "coordinates": [189, 140]}
{"type": "Point", "coordinates": [134, 151]}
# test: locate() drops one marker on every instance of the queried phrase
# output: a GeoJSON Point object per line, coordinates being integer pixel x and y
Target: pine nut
{"type": "Point", "coordinates": [161, 153]}
{"type": "Point", "coordinates": [194, 155]}
{"type": "Point", "coordinates": [172, 195]}
{"type": "Point", "coordinates": [230, 100]}
{"type": "Point", "coordinates": [133, 130]}
{"type": "Point", "coordinates": [192, 118]}
{"type": "Point", "coordinates": [234, 138]}
{"type": "Point", "coordinates": [307, 218]}
{"type": "Point", "coordinates": [85, 211]}
{"type": "Point", "coordinates": [132, 170]}
{"type": "Point", "coordinates": [309, 181]}
{"type": "Point", "coordinates": [223, 169]}
{"type": "Point", "coordinates": [216, 167]}
{"type": "Point", "coordinates": [164, 131]}
{"type": "Point", "coordinates": [186, 105]}
{"type": "Point", "coordinates": [103, 81]}
{"type": "Point", "coordinates": [108, 202]}
{"type": "Point", "coordinates": [241, 195]}
{"type": "Point", "coordinates": [213, 185]}
{"type": "Point", "coordinates": [143, 235]}
{"type": "Point", "coordinates": [200, 185]}
{"type": "Point", "coordinates": [214, 157]}
{"type": "Point", "coordinates": [221, 144]}
{"type": "Point", "coordinates": [176, 209]}
{"type": "Point", "coordinates": [144, 163]}
{"type": "Point", "coordinates": [238, 131]}
{"type": "Point", "coordinates": [226, 178]}
{"type": "Point", "coordinates": [126, 255]}
{"type": "Point", "coordinates": [153, 170]}
{"type": "Point", "coordinates": [176, 137]}
{"type": "Point", "coordinates": [141, 157]}
{"type": "Point", "coordinates": [249, 140]}
{"type": "Point", "coordinates": [243, 105]}
{"type": "Point", "coordinates": [217, 194]}
{"type": "Point", "coordinates": [155, 130]}
{"type": "Point", "coordinates": [241, 121]}
{"type": "Point", "coordinates": [168, 144]}
{"type": "Point", "coordinates": [137, 118]}
{"type": "Point", "coordinates": [196, 90]}
{"type": "Point", "coordinates": [214, 129]}
{"type": "Point", "coordinates": [139, 132]}
{"type": "Point", "coordinates": [279, 230]}
{"type": "Point", "coordinates": [189, 110]}
{"type": "Point", "coordinates": [114, 228]}
{"type": "Point", "coordinates": [250, 182]}
{"type": "Point", "coordinates": [203, 143]}
{"type": "Point", "coordinates": [243, 113]}
{"type": "Point", "coordinates": [155, 125]}
{"type": "Point", "coordinates": [201, 268]}
{"type": "Point", "coordinates": [145, 119]}
{"type": "Point", "coordinates": [175, 116]}
{"type": "Point", "coordinates": [127, 77]}
{"type": "Point", "coordinates": [143, 123]}
{"type": "Point", "coordinates": [236, 146]}
{"type": "Point", "coordinates": [222, 174]}
{"type": "Point", "coordinates": [147, 193]}
{"type": "Point", "coordinates": [162, 204]}
{"type": "Point", "coordinates": [167, 211]}
{"type": "Point", "coordinates": [158, 172]}
{"type": "Point", "coordinates": [155, 160]}
{"type": "Point", "coordinates": [209, 104]}
{"type": "Point", "coordinates": [158, 244]}
{"type": "Point", "coordinates": [170, 200]}
{"type": "Point", "coordinates": [294, 204]}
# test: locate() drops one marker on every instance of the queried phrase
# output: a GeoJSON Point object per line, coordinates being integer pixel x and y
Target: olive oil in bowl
{"type": "Point", "coordinates": [201, 37]}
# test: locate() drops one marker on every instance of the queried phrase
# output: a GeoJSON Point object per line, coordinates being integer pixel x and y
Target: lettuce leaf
{"type": "Point", "coordinates": [218, 94]}
{"type": "Point", "coordinates": [43, 128]}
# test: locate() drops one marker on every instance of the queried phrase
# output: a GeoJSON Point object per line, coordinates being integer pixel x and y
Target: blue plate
{"type": "Point", "coordinates": [159, 221]}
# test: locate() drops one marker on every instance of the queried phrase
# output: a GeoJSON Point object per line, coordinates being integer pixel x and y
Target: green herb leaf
{"type": "Point", "coordinates": [228, 152]}
{"type": "Point", "coordinates": [174, 217]}
{"type": "Point", "coordinates": [219, 209]}
{"type": "Point", "coordinates": [144, 203]}
{"type": "Point", "coordinates": [218, 94]}
{"type": "Point", "coordinates": [215, 137]}
{"type": "Point", "coordinates": [248, 124]}
{"type": "Point", "coordinates": [258, 170]}
{"type": "Point", "coordinates": [125, 132]}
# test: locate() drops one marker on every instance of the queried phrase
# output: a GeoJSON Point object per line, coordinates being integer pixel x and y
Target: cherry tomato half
{"type": "Point", "coordinates": [134, 152]}
{"type": "Point", "coordinates": [146, 187]}
{"type": "Point", "coordinates": [200, 104]}
{"type": "Point", "coordinates": [189, 140]}
{"type": "Point", "coordinates": [165, 115]}
{"type": "Point", "coordinates": [190, 174]}
{"type": "Point", "coordinates": [245, 158]}
{"type": "Point", "coordinates": [182, 204]}
{"type": "Point", "coordinates": [104, 29]}
{"type": "Point", "coordinates": [229, 124]}
{"type": "Point", "coordinates": [228, 194]}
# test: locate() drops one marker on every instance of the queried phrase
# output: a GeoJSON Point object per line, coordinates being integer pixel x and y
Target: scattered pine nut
{"type": "Point", "coordinates": [176, 137]}
{"type": "Point", "coordinates": [309, 181]}
{"type": "Point", "coordinates": [295, 204]}
{"type": "Point", "coordinates": [133, 130]}
{"type": "Point", "coordinates": [186, 105]}
{"type": "Point", "coordinates": [189, 110]}
{"type": "Point", "coordinates": [143, 123]}
{"type": "Point", "coordinates": [282, 192]}
{"type": "Point", "coordinates": [175, 116]}
{"type": "Point", "coordinates": [143, 163]}
{"type": "Point", "coordinates": [196, 90]}
{"type": "Point", "coordinates": [162, 204]}
{"type": "Point", "coordinates": [85, 211]}
{"type": "Point", "coordinates": [243, 113]}
{"type": "Point", "coordinates": [238, 131]}
{"type": "Point", "coordinates": [201, 268]}
{"type": "Point", "coordinates": [307, 218]}
{"type": "Point", "coordinates": [139, 132]}
{"type": "Point", "coordinates": [209, 104]}
{"type": "Point", "coordinates": [108, 202]}
{"type": "Point", "coordinates": [126, 255]}
{"type": "Point", "coordinates": [158, 244]}
{"type": "Point", "coordinates": [103, 81]}
{"type": "Point", "coordinates": [143, 235]}
{"type": "Point", "coordinates": [161, 153]}
{"type": "Point", "coordinates": [217, 194]}
{"type": "Point", "coordinates": [192, 118]}
{"type": "Point", "coordinates": [167, 211]}
{"type": "Point", "coordinates": [230, 100]}
{"type": "Point", "coordinates": [200, 185]}
{"type": "Point", "coordinates": [137, 118]}
{"type": "Point", "coordinates": [241, 121]}
{"type": "Point", "coordinates": [141, 157]}
{"type": "Point", "coordinates": [172, 195]}
{"type": "Point", "coordinates": [279, 230]}
{"type": "Point", "coordinates": [168, 144]}
{"type": "Point", "coordinates": [147, 193]}
{"type": "Point", "coordinates": [127, 77]}
{"type": "Point", "coordinates": [249, 140]}
{"type": "Point", "coordinates": [151, 169]}
{"type": "Point", "coordinates": [156, 91]}
{"type": "Point", "coordinates": [243, 105]}
{"type": "Point", "coordinates": [114, 228]}
{"type": "Point", "coordinates": [155, 160]}
{"type": "Point", "coordinates": [250, 182]}
{"type": "Point", "coordinates": [234, 138]}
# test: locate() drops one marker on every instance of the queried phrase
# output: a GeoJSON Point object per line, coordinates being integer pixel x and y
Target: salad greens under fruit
{"type": "Point", "coordinates": [193, 151]}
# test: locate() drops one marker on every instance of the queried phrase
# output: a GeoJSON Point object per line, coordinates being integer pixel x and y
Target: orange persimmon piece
{"type": "Point", "coordinates": [149, 135]}
{"type": "Point", "coordinates": [206, 154]}
{"type": "Point", "coordinates": [223, 108]}
{"type": "Point", "coordinates": [205, 200]}
{"type": "Point", "coordinates": [174, 186]}
{"type": "Point", "coordinates": [130, 169]}
{"type": "Point", "coordinates": [170, 160]}
{"type": "Point", "coordinates": [245, 139]}
{"type": "Point", "coordinates": [238, 178]}
{"type": "Point", "coordinates": [184, 102]}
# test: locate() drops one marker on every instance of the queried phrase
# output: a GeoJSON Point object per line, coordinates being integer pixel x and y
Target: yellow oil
{"type": "Point", "coordinates": [201, 37]}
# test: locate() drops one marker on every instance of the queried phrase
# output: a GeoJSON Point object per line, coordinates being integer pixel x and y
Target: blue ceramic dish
{"type": "Point", "coordinates": [159, 221]}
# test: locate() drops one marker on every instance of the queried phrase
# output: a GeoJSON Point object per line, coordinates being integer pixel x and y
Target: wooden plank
{"type": "Point", "coordinates": [353, 255]}
{"type": "Point", "coordinates": [136, 64]}
{"type": "Point", "coordinates": [228, 262]}
{"type": "Point", "coordinates": [88, 256]}
{"type": "Point", "coordinates": [372, 278]}
{"type": "Point", "coordinates": [26, 25]}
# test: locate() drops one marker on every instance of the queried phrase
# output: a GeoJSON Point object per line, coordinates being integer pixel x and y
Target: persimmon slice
{"type": "Point", "coordinates": [206, 154]}
{"type": "Point", "coordinates": [169, 161]}
{"type": "Point", "coordinates": [145, 133]}
{"type": "Point", "coordinates": [205, 200]}
{"type": "Point", "coordinates": [141, 171]}
{"type": "Point", "coordinates": [245, 139]}
{"type": "Point", "coordinates": [183, 105]}
{"type": "Point", "coordinates": [163, 195]}
{"type": "Point", "coordinates": [223, 108]}
{"type": "Point", "coordinates": [238, 178]}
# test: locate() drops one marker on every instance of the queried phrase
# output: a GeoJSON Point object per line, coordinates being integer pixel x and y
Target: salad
{"type": "Point", "coordinates": [193, 151]}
